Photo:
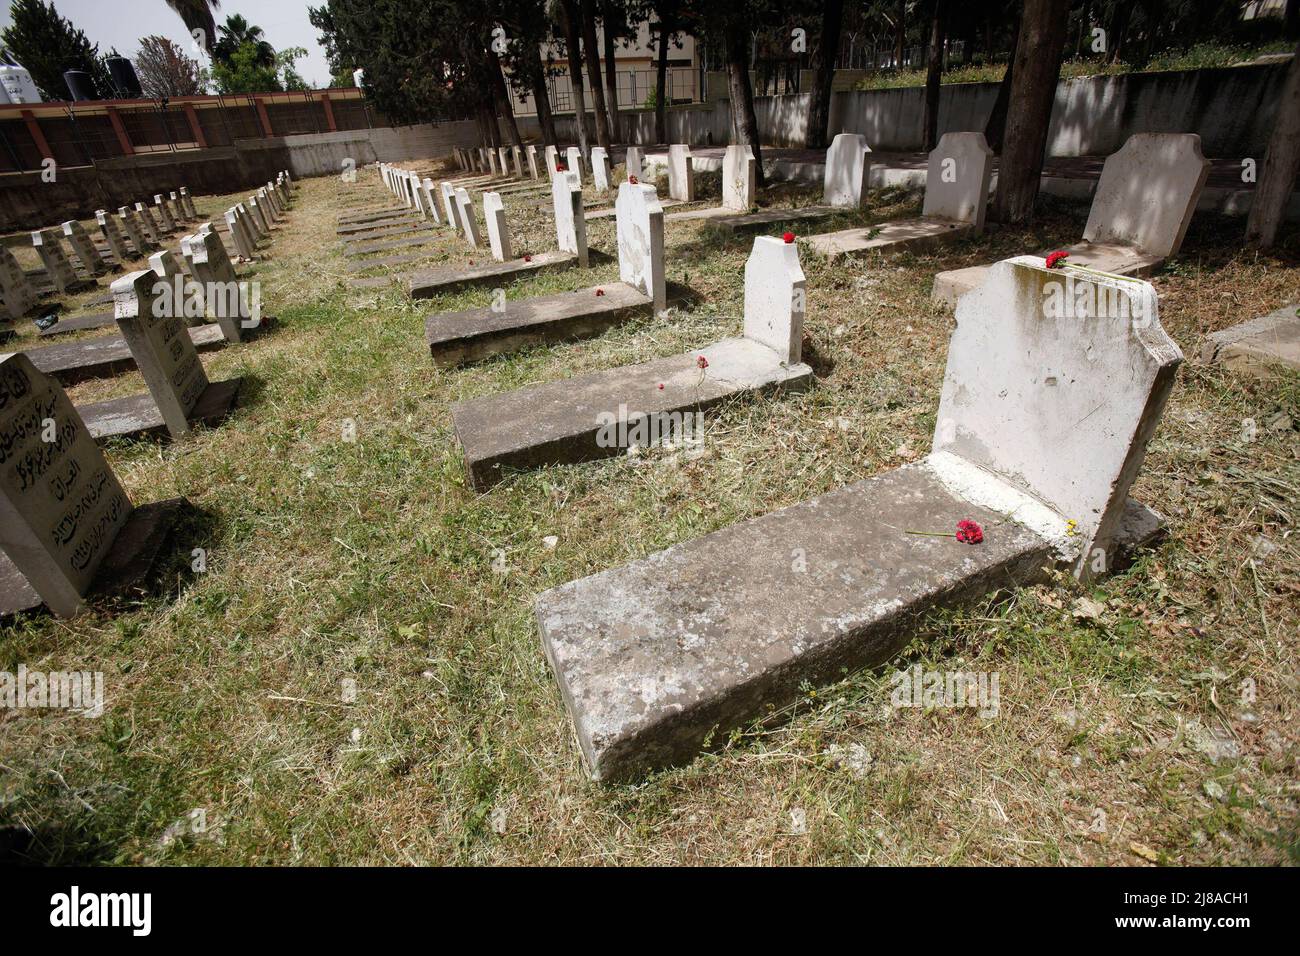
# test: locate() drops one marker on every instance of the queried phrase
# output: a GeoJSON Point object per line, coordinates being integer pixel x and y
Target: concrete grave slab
{"type": "Point", "coordinates": [681, 173]}
{"type": "Point", "coordinates": [658, 657]}
{"type": "Point", "coordinates": [1265, 346]}
{"type": "Point", "coordinates": [78, 323]}
{"type": "Point", "coordinates": [72, 362]}
{"type": "Point", "coordinates": [383, 222]}
{"type": "Point", "coordinates": [387, 231]}
{"type": "Point", "coordinates": [370, 248]}
{"type": "Point", "coordinates": [431, 282]}
{"type": "Point", "coordinates": [138, 416]}
{"type": "Point", "coordinates": [847, 169]}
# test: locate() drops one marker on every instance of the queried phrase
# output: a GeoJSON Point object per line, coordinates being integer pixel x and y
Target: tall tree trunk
{"type": "Point", "coordinates": [1118, 31]}
{"type": "Point", "coordinates": [744, 123]}
{"type": "Point", "coordinates": [572, 20]}
{"type": "Point", "coordinates": [1033, 90]}
{"type": "Point", "coordinates": [490, 125]}
{"type": "Point", "coordinates": [661, 83]}
{"type": "Point", "coordinates": [900, 34]}
{"type": "Point", "coordinates": [828, 48]}
{"type": "Point", "coordinates": [502, 96]}
{"type": "Point", "coordinates": [604, 133]}
{"type": "Point", "coordinates": [541, 95]}
{"type": "Point", "coordinates": [611, 75]}
{"type": "Point", "coordinates": [996, 127]}
{"type": "Point", "coordinates": [1281, 163]}
{"type": "Point", "coordinates": [933, 77]}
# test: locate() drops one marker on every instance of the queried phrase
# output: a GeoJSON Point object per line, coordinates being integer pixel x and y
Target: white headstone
{"type": "Point", "coordinates": [494, 213]}
{"type": "Point", "coordinates": [177, 208]}
{"type": "Point", "coordinates": [1148, 192]}
{"type": "Point", "coordinates": [188, 202]}
{"type": "Point", "coordinates": [775, 294]}
{"type": "Point", "coordinates": [845, 179]}
{"type": "Point", "coordinates": [61, 506]}
{"type": "Point", "coordinates": [165, 219]}
{"type": "Point", "coordinates": [503, 154]}
{"type": "Point", "coordinates": [957, 179]}
{"type": "Point", "coordinates": [430, 193]}
{"type": "Point", "coordinates": [1056, 379]}
{"type": "Point", "coordinates": [468, 221]}
{"type": "Point", "coordinates": [570, 223]}
{"type": "Point", "coordinates": [600, 168]}
{"type": "Point", "coordinates": [632, 162]}
{"type": "Point", "coordinates": [681, 173]}
{"type": "Point", "coordinates": [148, 223]}
{"type": "Point", "coordinates": [573, 160]}
{"type": "Point", "coordinates": [739, 178]}
{"type": "Point", "coordinates": [134, 232]}
{"type": "Point", "coordinates": [532, 161]}
{"type": "Point", "coordinates": [164, 265]}
{"type": "Point", "coordinates": [226, 302]}
{"type": "Point", "coordinates": [56, 263]}
{"type": "Point", "coordinates": [238, 235]}
{"type": "Point", "coordinates": [517, 155]}
{"type": "Point", "coordinates": [112, 236]}
{"type": "Point", "coordinates": [552, 160]}
{"type": "Point", "coordinates": [640, 224]}
{"type": "Point", "coordinates": [492, 162]}
{"type": "Point", "coordinates": [260, 215]}
{"type": "Point", "coordinates": [417, 194]}
{"type": "Point", "coordinates": [80, 242]}
{"type": "Point", "coordinates": [19, 293]}
{"type": "Point", "coordinates": [160, 343]}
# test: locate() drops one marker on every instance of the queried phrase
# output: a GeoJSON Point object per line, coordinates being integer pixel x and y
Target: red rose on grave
{"type": "Point", "coordinates": [1053, 258]}
{"type": "Point", "coordinates": [702, 362]}
{"type": "Point", "coordinates": [632, 180]}
{"type": "Point", "coordinates": [788, 237]}
{"type": "Point", "coordinates": [561, 168]}
{"type": "Point", "coordinates": [661, 386]}
{"type": "Point", "coordinates": [600, 292]}
{"type": "Point", "coordinates": [969, 532]}
{"type": "Point", "coordinates": [528, 258]}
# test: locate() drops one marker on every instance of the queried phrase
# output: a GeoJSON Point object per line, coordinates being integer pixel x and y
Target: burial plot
{"type": "Point", "coordinates": [658, 657]}
{"type": "Point", "coordinates": [739, 172]}
{"type": "Point", "coordinates": [20, 296]}
{"type": "Point", "coordinates": [956, 199]}
{"type": "Point", "coordinates": [588, 417]}
{"type": "Point", "coordinates": [68, 531]}
{"type": "Point", "coordinates": [1263, 347]}
{"type": "Point", "coordinates": [113, 237]}
{"type": "Point", "coordinates": [85, 250]}
{"type": "Point", "coordinates": [600, 168]}
{"type": "Point", "coordinates": [1144, 200]}
{"type": "Point", "coordinates": [56, 263]}
{"type": "Point", "coordinates": [472, 335]}
{"type": "Point", "coordinates": [681, 173]}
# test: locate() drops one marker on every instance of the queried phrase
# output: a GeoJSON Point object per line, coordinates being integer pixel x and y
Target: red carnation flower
{"type": "Point", "coordinates": [702, 362]}
{"type": "Point", "coordinates": [1054, 258]}
{"type": "Point", "coordinates": [788, 237]}
{"type": "Point", "coordinates": [632, 180]}
{"type": "Point", "coordinates": [528, 258]}
{"type": "Point", "coordinates": [661, 386]}
{"type": "Point", "coordinates": [561, 168]}
{"type": "Point", "coordinates": [969, 532]}
{"type": "Point", "coordinates": [600, 292]}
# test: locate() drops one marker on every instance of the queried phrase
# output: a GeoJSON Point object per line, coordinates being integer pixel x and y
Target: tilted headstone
{"type": "Point", "coordinates": [1148, 192]}
{"type": "Point", "coordinates": [494, 214]}
{"type": "Point", "coordinates": [430, 194]}
{"type": "Point", "coordinates": [632, 161]}
{"type": "Point", "coordinates": [640, 224]}
{"type": "Point", "coordinates": [504, 155]}
{"type": "Point", "coordinates": [449, 204]}
{"type": "Point", "coordinates": [957, 179]}
{"type": "Point", "coordinates": [775, 294]}
{"type": "Point", "coordinates": [266, 203]}
{"type": "Point", "coordinates": [81, 244]}
{"type": "Point", "coordinates": [681, 173]}
{"type": "Point", "coordinates": [134, 231]}
{"type": "Point", "coordinates": [165, 220]}
{"type": "Point", "coordinates": [112, 236]}
{"type": "Point", "coordinates": [1039, 351]}
{"type": "Point", "coordinates": [492, 162]}
{"type": "Point", "coordinates": [417, 197]}
{"type": "Point", "coordinates": [56, 263]}
{"type": "Point", "coordinates": [573, 159]}
{"type": "Point", "coordinates": [259, 215]}
{"type": "Point", "coordinates": [468, 221]}
{"type": "Point", "coordinates": [739, 178]}
{"type": "Point", "coordinates": [252, 222]}
{"type": "Point", "coordinates": [225, 300]}
{"type": "Point", "coordinates": [188, 202]}
{"type": "Point", "coordinates": [552, 161]}
{"type": "Point", "coordinates": [61, 506]}
{"type": "Point", "coordinates": [243, 242]}
{"type": "Point", "coordinates": [845, 179]}
{"type": "Point", "coordinates": [19, 292]}
{"type": "Point", "coordinates": [570, 224]}
{"type": "Point", "coordinates": [164, 265]}
{"type": "Point", "coordinates": [177, 207]}
{"type": "Point", "coordinates": [148, 223]}
{"type": "Point", "coordinates": [160, 343]}
{"type": "Point", "coordinates": [532, 161]}
{"type": "Point", "coordinates": [600, 168]}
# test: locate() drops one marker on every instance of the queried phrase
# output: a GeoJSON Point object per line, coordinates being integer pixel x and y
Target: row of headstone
{"type": "Point", "coordinates": [416, 193]}
{"type": "Point", "coordinates": [250, 222]}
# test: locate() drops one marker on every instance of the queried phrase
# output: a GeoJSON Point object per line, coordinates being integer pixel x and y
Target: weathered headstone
{"type": "Point", "coordinates": [57, 266]}
{"type": "Point", "coordinates": [113, 236]}
{"type": "Point", "coordinates": [61, 506]}
{"type": "Point", "coordinates": [449, 203]}
{"type": "Point", "coordinates": [573, 161]}
{"type": "Point", "coordinates": [224, 297]}
{"type": "Point", "coordinates": [468, 221]}
{"type": "Point", "coordinates": [640, 225]}
{"type": "Point", "coordinates": [188, 202]}
{"type": "Point", "coordinates": [739, 178]}
{"type": "Point", "coordinates": [254, 223]}
{"type": "Point", "coordinates": [430, 194]}
{"type": "Point", "coordinates": [149, 224]}
{"type": "Point", "coordinates": [681, 173]}
{"type": "Point", "coordinates": [552, 161]}
{"type": "Point", "coordinates": [1263, 347]}
{"type": "Point", "coordinates": [600, 168]}
{"type": "Point", "coordinates": [19, 293]}
{"type": "Point", "coordinates": [632, 161]}
{"type": "Point", "coordinates": [259, 215]}
{"type": "Point", "coordinates": [957, 179]}
{"type": "Point", "coordinates": [532, 161]}
{"type": "Point", "coordinates": [85, 250]}
{"type": "Point", "coordinates": [165, 220]}
{"type": "Point", "coordinates": [570, 226]}
{"type": "Point", "coordinates": [498, 232]}
{"type": "Point", "coordinates": [131, 223]}
{"type": "Point", "coordinates": [164, 265]}
{"type": "Point", "coordinates": [417, 196]}
{"type": "Point", "coordinates": [177, 207]}
{"type": "Point", "coordinates": [492, 163]}
{"type": "Point", "coordinates": [847, 169]}
{"type": "Point", "coordinates": [775, 295]}
{"type": "Point", "coordinates": [243, 242]}
{"type": "Point", "coordinates": [160, 343]}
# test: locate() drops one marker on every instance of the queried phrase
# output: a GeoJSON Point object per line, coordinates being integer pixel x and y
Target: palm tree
{"type": "Point", "coordinates": [237, 31]}
{"type": "Point", "coordinates": [197, 15]}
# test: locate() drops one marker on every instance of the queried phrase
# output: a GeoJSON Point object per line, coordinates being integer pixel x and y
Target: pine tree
{"type": "Point", "coordinates": [46, 45]}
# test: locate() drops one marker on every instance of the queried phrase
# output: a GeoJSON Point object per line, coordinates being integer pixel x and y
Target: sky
{"type": "Point", "coordinates": [121, 24]}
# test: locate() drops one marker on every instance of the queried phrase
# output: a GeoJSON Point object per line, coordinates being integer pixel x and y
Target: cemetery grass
{"type": "Point", "coordinates": [1122, 736]}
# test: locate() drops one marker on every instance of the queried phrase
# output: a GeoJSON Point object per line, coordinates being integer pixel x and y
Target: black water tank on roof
{"type": "Point", "coordinates": [126, 85]}
{"type": "Point", "coordinates": [80, 85]}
